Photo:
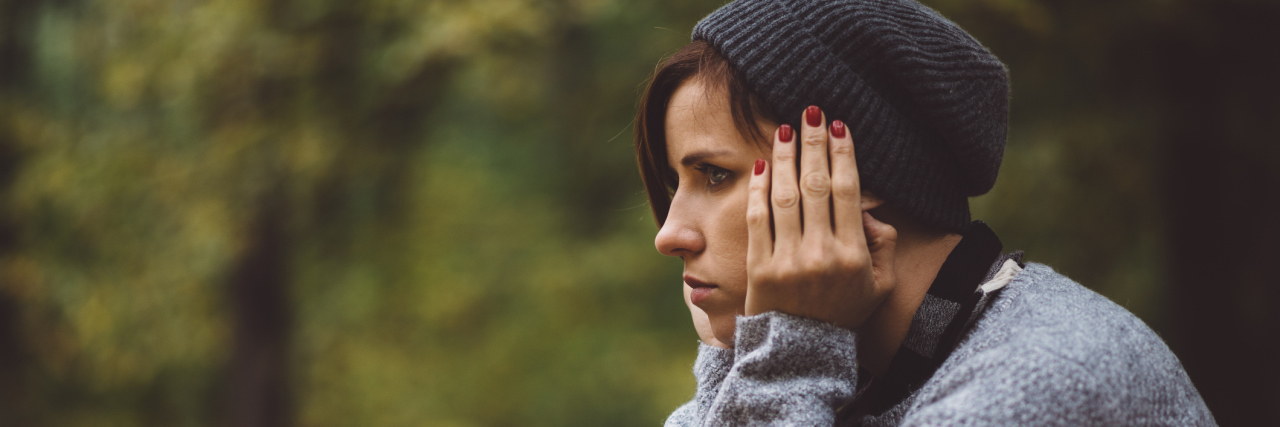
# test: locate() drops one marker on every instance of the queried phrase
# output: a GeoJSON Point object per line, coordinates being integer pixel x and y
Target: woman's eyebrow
{"type": "Point", "coordinates": [698, 156]}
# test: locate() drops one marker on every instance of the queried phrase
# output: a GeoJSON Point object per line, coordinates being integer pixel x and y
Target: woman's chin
{"type": "Point", "coordinates": [723, 328]}
{"type": "Point", "coordinates": [722, 311]}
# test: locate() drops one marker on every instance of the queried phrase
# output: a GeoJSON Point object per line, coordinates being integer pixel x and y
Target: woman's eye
{"type": "Point", "coordinates": [716, 175]}
{"type": "Point", "coordinates": [673, 182]}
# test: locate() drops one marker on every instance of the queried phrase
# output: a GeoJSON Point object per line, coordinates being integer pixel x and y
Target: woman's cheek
{"type": "Point", "coordinates": [736, 230]}
{"type": "Point", "coordinates": [730, 245]}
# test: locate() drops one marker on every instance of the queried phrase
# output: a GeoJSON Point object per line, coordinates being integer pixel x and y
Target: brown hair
{"type": "Point", "coordinates": [696, 60]}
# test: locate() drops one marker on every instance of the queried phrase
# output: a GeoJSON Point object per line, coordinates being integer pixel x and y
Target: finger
{"type": "Point", "coordinates": [815, 178]}
{"type": "Point", "coordinates": [784, 195]}
{"type": "Point", "coordinates": [759, 238]}
{"type": "Point", "coordinates": [882, 241]}
{"type": "Point", "coordinates": [846, 188]}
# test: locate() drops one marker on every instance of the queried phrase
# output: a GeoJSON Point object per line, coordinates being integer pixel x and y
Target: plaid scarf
{"type": "Point", "coordinates": [954, 301]}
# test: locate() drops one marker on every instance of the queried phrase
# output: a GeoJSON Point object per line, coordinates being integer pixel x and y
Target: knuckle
{"type": "Point", "coordinates": [817, 184]}
{"type": "Point", "coordinates": [816, 263]}
{"type": "Point", "coordinates": [780, 270]}
{"type": "Point", "coordinates": [786, 275]}
{"type": "Point", "coordinates": [854, 263]}
{"type": "Point", "coordinates": [757, 216]}
{"type": "Point", "coordinates": [842, 148]}
{"type": "Point", "coordinates": [758, 185]}
{"type": "Point", "coordinates": [783, 156]}
{"type": "Point", "coordinates": [764, 277]}
{"type": "Point", "coordinates": [845, 186]}
{"type": "Point", "coordinates": [785, 197]}
{"type": "Point", "coordinates": [815, 139]}
{"type": "Point", "coordinates": [816, 267]}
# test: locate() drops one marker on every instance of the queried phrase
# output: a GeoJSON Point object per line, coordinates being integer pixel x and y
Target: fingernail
{"type": "Point", "coordinates": [784, 133]}
{"type": "Point", "coordinates": [837, 129]}
{"type": "Point", "coordinates": [759, 166]}
{"type": "Point", "coordinates": [813, 115]}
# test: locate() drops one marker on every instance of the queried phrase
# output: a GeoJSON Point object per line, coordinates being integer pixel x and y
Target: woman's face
{"type": "Point", "coordinates": [706, 226]}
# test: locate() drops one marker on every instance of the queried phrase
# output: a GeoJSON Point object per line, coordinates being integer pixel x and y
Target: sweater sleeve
{"type": "Point", "coordinates": [787, 370]}
{"type": "Point", "coordinates": [710, 368]}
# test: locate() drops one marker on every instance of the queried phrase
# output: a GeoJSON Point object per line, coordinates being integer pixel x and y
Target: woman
{"type": "Point", "coordinates": [810, 162]}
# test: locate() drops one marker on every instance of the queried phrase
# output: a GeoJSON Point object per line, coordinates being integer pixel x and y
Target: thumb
{"type": "Point", "coordinates": [882, 241]}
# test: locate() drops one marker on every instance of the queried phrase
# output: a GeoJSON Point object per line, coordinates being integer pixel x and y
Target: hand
{"type": "Point", "coordinates": [834, 264]}
{"type": "Point", "coordinates": [702, 322]}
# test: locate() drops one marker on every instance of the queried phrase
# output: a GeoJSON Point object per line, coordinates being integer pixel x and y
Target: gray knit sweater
{"type": "Point", "coordinates": [1043, 351]}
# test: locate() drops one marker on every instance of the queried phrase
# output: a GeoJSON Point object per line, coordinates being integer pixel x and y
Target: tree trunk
{"type": "Point", "coordinates": [16, 397]}
{"type": "Point", "coordinates": [258, 391]}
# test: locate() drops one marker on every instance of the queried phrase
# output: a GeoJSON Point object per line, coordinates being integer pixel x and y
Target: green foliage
{"type": "Point", "coordinates": [469, 244]}
{"type": "Point", "coordinates": [468, 239]}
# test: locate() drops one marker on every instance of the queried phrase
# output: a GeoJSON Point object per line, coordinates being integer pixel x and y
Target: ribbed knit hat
{"type": "Point", "coordinates": [926, 104]}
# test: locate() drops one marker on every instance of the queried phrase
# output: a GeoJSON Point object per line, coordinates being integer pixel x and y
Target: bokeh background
{"type": "Point", "coordinates": [404, 213]}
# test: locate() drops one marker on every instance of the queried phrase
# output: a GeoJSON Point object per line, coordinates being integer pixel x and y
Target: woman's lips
{"type": "Point", "coordinates": [701, 290]}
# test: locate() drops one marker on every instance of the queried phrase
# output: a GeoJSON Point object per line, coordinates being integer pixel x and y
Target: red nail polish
{"type": "Point", "coordinates": [784, 133]}
{"type": "Point", "coordinates": [813, 115]}
{"type": "Point", "coordinates": [759, 166]}
{"type": "Point", "coordinates": [837, 129]}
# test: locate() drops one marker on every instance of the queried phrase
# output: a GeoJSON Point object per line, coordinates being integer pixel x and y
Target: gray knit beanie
{"type": "Point", "coordinates": [926, 104]}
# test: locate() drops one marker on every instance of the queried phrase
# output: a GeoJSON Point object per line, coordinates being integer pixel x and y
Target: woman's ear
{"type": "Point", "coordinates": [870, 201]}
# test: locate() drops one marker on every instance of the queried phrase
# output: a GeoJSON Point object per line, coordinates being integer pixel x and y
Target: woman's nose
{"type": "Point", "coordinates": [678, 238]}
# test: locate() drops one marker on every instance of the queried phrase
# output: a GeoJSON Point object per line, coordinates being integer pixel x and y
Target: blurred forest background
{"type": "Point", "coordinates": [395, 213]}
